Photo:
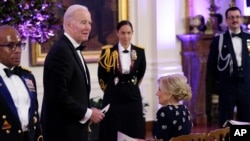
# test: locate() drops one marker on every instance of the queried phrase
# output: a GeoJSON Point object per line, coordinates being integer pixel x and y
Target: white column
{"type": "Point", "coordinates": [156, 24]}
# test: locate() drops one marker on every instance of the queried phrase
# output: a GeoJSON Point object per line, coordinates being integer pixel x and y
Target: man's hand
{"type": "Point", "coordinates": [96, 116]}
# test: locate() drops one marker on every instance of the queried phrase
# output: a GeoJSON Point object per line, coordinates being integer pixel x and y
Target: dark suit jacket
{"type": "Point", "coordinates": [66, 94]}
{"type": "Point", "coordinates": [229, 74]}
{"type": "Point", "coordinates": [11, 129]}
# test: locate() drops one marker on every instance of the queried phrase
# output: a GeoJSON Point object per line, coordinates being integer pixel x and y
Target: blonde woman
{"type": "Point", "coordinates": [173, 118]}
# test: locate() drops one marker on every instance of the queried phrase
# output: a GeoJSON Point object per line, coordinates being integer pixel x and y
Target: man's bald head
{"type": "Point", "coordinates": [9, 34]}
{"type": "Point", "coordinates": [10, 46]}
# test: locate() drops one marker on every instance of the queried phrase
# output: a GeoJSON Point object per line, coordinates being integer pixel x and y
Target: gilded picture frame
{"type": "Point", "coordinates": [91, 55]}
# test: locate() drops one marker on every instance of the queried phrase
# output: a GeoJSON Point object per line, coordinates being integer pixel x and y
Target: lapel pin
{"type": "Point", "coordinates": [116, 80]}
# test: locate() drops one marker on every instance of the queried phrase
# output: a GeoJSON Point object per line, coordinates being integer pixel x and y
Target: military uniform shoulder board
{"type": "Point", "coordinates": [107, 46]}
{"type": "Point", "coordinates": [139, 47]}
{"type": "Point", "coordinates": [25, 69]}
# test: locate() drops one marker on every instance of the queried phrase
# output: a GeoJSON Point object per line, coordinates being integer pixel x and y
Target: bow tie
{"type": "Point", "coordinates": [236, 35]}
{"type": "Point", "coordinates": [125, 51]}
{"type": "Point", "coordinates": [81, 47]}
{"type": "Point", "coordinates": [9, 72]}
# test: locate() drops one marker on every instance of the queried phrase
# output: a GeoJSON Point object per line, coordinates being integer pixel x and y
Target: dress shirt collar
{"type": "Point", "coordinates": [121, 48]}
{"type": "Point", "coordinates": [75, 44]}
{"type": "Point", "coordinates": [2, 66]}
{"type": "Point", "coordinates": [230, 31]}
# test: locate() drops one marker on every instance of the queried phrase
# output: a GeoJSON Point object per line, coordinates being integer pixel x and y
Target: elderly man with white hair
{"type": "Point", "coordinates": [65, 109]}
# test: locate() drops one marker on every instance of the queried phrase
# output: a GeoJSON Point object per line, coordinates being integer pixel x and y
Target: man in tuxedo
{"type": "Point", "coordinates": [228, 66]}
{"type": "Point", "coordinates": [66, 112]}
{"type": "Point", "coordinates": [19, 119]}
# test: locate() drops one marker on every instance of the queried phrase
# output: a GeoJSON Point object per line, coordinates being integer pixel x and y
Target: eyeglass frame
{"type": "Point", "coordinates": [13, 46]}
{"type": "Point", "coordinates": [234, 17]}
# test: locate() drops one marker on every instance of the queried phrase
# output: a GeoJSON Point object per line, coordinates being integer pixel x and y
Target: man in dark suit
{"type": "Point", "coordinates": [19, 120]}
{"type": "Point", "coordinates": [66, 112]}
{"type": "Point", "coordinates": [228, 66]}
{"type": "Point", "coordinates": [120, 72]}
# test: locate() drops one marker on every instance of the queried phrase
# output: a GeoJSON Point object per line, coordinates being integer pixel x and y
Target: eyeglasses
{"type": "Point", "coordinates": [13, 46]}
{"type": "Point", "coordinates": [234, 17]}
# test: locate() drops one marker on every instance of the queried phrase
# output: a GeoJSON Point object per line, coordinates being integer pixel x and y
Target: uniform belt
{"type": "Point", "coordinates": [128, 81]}
{"type": "Point", "coordinates": [121, 80]}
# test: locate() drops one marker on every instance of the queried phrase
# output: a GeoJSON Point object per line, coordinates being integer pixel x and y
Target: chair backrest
{"type": "Point", "coordinates": [221, 134]}
{"type": "Point", "coordinates": [191, 137]}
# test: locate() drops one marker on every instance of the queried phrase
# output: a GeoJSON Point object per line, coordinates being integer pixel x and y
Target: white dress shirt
{"type": "Point", "coordinates": [19, 94]}
{"type": "Point", "coordinates": [125, 58]}
{"type": "Point", "coordinates": [237, 46]}
{"type": "Point", "coordinates": [75, 44]}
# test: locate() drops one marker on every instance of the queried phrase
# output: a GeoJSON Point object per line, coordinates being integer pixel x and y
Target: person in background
{"type": "Point", "coordinates": [228, 67]}
{"type": "Point", "coordinates": [66, 111]}
{"type": "Point", "coordinates": [202, 27]}
{"type": "Point", "coordinates": [19, 118]}
{"type": "Point", "coordinates": [219, 21]}
{"type": "Point", "coordinates": [121, 68]}
{"type": "Point", "coordinates": [172, 119]}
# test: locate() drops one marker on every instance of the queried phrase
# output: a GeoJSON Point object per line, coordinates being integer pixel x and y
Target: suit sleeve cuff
{"type": "Point", "coordinates": [86, 117]}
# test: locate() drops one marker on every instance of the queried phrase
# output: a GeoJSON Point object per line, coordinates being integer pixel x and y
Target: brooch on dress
{"type": "Point", "coordinates": [133, 55]}
{"type": "Point", "coordinates": [116, 80]}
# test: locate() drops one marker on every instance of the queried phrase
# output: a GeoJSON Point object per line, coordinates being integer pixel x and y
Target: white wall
{"type": "Point", "coordinates": [156, 24]}
{"type": "Point", "coordinates": [242, 4]}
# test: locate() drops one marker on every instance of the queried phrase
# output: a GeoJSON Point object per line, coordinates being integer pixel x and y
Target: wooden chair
{"type": "Point", "coordinates": [191, 137]}
{"type": "Point", "coordinates": [221, 134]}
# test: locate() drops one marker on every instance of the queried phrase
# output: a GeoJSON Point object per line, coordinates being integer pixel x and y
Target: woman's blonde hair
{"type": "Point", "coordinates": [176, 84]}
